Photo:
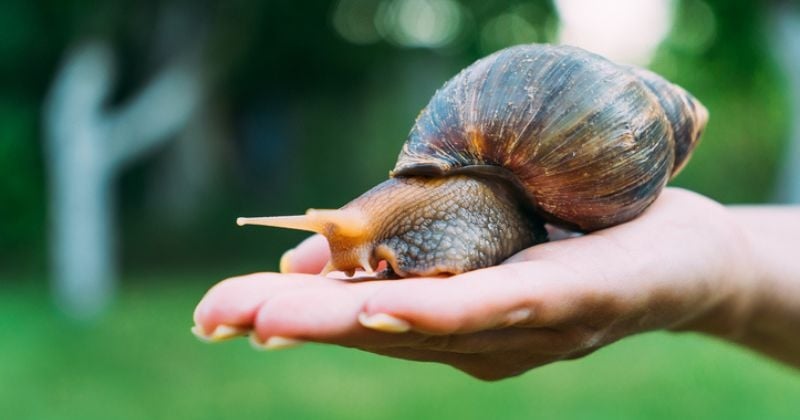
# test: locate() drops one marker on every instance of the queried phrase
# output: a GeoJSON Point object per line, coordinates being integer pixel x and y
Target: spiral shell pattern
{"type": "Point", "coordinates": [590, 143]}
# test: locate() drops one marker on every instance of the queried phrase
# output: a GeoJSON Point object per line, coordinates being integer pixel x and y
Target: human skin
{"type": "Point", "coordinates": [686, 264]}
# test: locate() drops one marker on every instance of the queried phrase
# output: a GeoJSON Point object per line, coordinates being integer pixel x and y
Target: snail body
{"type": "Point", "coordinates": [528, 135]}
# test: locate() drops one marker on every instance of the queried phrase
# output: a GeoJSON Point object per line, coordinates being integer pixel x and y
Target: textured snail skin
{"type": "Point", "coordinates": [528, 135]}
{"type": "Point", "coordinates": [448, 224]}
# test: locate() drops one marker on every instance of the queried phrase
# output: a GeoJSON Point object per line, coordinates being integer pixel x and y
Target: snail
{"type": "Point", "coordinates": [529, 135]}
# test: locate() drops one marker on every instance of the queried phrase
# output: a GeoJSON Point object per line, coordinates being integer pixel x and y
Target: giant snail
{"type": "Point", "coordinates": [529, 135]}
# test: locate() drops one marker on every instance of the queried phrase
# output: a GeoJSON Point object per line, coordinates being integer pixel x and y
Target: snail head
{"type": "Point", "coordinates": [421, 226]}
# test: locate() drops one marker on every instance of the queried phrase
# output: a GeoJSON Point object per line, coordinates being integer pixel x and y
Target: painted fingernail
{"type": "Point", "coordinates": [275, 342]}
{"type": "Point", "coordinates": [284, 264]}
{"type": "Point", "coordinates": [221, 333]}
{"type": "Point", "coordinates": [384, 322]}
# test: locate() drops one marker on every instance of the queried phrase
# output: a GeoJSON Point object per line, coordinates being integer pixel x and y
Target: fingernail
{"type": "Point", "coordinates": [275, 342]}
{"type": "Point", "coordinates": [221, 333]}
{"type": "Point", "coordinates": [199, 333]}
{"type": "Point", "coordinates": [384, 322]}
{"type": "Point", "coordinates": [283, 266]}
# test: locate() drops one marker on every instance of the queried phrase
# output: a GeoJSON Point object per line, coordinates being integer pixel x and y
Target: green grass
{"type": "Point", "coordinates": [140, 361]}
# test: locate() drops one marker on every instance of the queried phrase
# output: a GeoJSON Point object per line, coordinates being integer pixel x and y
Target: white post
{"type": "Point", "coordinates": [86, 146]}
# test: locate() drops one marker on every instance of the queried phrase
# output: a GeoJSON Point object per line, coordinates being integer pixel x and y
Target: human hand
{"type": "Point", "coordinates": [680, 265]}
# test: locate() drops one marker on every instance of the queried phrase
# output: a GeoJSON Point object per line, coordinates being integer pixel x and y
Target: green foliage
{"type": "Point", "coordinates": [22, 208]}
{"type": "Point", "coordinates": [142, 362]}
{"type": "Point", "coordinates": [716, 50]}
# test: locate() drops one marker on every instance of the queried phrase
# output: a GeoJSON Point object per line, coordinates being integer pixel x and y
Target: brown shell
{"type": "Point", "coordinates": [591, 143]}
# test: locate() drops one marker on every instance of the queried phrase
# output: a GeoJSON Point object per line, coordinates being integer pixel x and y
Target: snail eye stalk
{"type": "Point", "coordinates": [349, 222]}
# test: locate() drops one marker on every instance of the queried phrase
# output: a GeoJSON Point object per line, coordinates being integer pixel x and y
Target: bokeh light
{"type": "Point", "coordinates": [419, 23]}
{"type": "Point", "coordinates": [507, 29]}
{"type": "Point", "coordinates": [622, 30]}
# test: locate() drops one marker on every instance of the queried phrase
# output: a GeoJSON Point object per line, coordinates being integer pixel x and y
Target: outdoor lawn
{"type": "Point", "coordinates": [140, 361]}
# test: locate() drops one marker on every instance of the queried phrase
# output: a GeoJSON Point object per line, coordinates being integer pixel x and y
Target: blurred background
{"type": "Point", "coordinates": [132, 134]}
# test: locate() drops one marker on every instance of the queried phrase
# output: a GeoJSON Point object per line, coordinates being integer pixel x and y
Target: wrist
{"type": "Point", "coordinates": [732, 296]}
{"type": "Point", "coordinates": [761, 309]}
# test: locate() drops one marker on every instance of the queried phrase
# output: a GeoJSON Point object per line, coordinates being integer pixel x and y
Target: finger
{"type": "Point", "coordinates": [233, 302]}
{"type": "Point", "coordinates": [530, 294]}
{"type": "Point", "coordinates": [309, 257]}
{"type": "Point", "coordinates": [483, 299]}
{"type": "Point", "coordinates": [326, 315]}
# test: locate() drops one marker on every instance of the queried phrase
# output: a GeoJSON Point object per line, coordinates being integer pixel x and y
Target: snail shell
{"type": "Point", "coordinates": [589, 142]}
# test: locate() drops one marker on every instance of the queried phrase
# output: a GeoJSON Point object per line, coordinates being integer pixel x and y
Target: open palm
{"type": "Point", "coordinates": [675, 267]}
